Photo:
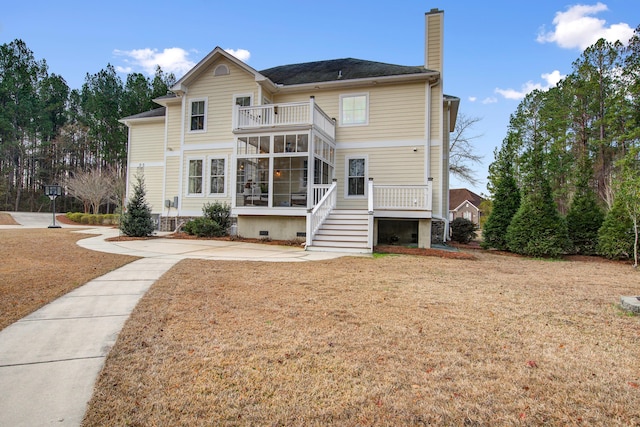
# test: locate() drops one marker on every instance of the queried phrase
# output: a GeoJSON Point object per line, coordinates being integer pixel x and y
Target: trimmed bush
{"type": "Point", "coordinates": [85, 218]}
{"type": "Point", "coordinates": [76, 216]}
{"type": "Point", "coordinates": [215, 221]}
{"type": "Point", "coordinates": [204, 227]}
{"type": "Point", "coordinates": [463, 230]}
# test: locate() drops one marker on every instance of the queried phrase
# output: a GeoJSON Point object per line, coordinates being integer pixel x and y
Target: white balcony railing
{"type": "Point", "coordinates": [281, 115]}
{"type": "Point", "coordinates": [402, 197]}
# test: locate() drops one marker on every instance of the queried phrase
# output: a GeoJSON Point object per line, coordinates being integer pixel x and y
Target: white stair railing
{"type": "Point", "coordinates": [320, 212]}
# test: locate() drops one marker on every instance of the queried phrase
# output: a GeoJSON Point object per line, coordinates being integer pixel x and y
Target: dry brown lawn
{"type": "Point", "coordinates": [6, 219]}
{"type": "Point", "coordinates": [393, 340]}
{"type": "Point", "coordinates": [40, 265]}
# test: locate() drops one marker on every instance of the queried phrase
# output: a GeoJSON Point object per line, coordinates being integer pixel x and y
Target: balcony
{"type": "Point", "coordinates": [401, 200]}
{"type": "Point", "coordinates": [272, 116]}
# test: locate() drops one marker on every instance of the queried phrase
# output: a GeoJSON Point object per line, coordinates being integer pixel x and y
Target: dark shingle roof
{"type": "Point", "coordinates": [156, 112]}
{"type": "Point", "coordinates": [458, 195]}
{"type": "Point", "coordinates": [336, 69]}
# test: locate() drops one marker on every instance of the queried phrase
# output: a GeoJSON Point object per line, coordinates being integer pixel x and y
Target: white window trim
{"type": "Point", "coordinates": [204, 182]}
{"type": "Point", "coordinates": [226, 176]}
{"type": "Point", "coordinates": [206, 114]}
{"type": "Point", "coordinates": [350, 95]}
{"type": "Point", "coordinates": [346, 177]}
{"type": "Point", "coordinates": [242, 95]}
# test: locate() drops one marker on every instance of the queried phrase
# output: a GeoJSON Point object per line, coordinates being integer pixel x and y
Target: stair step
{"type": "Point", "coordinates": [343, 238]}
{"type": "Point", "coordinates": [344, 225]}
{"type": "Point", "coordinates": [337, 249]}
{"type": "Point", "coordinates": [333, 243]}
{"type": "Point", "coordinates": [341, 232]}
{"type": "Point", "coordinates": [348, 217]}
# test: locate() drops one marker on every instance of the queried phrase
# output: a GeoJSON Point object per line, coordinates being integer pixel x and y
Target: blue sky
{"type": "Point", "coordinates": [495, 51]}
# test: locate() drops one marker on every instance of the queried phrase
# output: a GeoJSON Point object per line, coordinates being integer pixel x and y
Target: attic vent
{"type": "Point", "coordinates": [221, 70]}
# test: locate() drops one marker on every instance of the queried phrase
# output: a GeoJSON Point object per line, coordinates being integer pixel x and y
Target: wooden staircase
{"type": "Point", "coordinates": [343, 231]}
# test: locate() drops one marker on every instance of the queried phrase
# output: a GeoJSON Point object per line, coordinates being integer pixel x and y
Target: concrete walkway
{"type": "Point", "coordinates": [49, 360]}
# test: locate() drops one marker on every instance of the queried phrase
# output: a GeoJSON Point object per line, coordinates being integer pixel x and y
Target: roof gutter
{"type": "Point", "coordinates": [368, 81]}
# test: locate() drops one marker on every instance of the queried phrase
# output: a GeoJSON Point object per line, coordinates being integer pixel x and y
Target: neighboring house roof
{"type": "Point", "coordinates": [337, 69]}
{"type": "Point", "coordinates": [151, 114]}
{"type": "Point", "coordinates": [458, 196]}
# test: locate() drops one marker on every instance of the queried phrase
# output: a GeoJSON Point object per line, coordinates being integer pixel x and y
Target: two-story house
{"type": "Point", "coordinates": [338, 153]}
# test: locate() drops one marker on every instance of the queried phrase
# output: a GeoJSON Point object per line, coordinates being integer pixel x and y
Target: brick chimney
{"type": "Point", "coordinates": [433, 45]}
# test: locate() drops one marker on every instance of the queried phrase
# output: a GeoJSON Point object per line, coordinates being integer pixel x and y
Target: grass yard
{"type": "Point", "coordinates": [391, 340]}
{"type": "Point", "coordinates": [40, 265]}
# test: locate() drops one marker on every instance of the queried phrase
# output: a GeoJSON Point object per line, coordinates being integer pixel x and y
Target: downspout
{"type": "Point", "coordinates": [427, 151]}
{"type": "Point", "coordinates": [127, 178]}
{"type": "Point", "coordinates": [445, 191]}
{"type": "Point", "coordinates": [181, 167]}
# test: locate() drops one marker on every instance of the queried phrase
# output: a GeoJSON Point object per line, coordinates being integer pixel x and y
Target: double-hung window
{"type": "Point", "coordinates": [356, 176]}
{"type": "Point", "coordinates": [354, 109]}
{"type": "Point", "coordinates": [217, 173]}
{"type": "Point", "coordinates": [198, 110]}
{"type": "Point", "coordinates": [195, 177]}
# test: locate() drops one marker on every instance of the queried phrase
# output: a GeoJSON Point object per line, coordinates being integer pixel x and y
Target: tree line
{"type": "Point", "coordinates": [51, 134]}
{"type": "Point", "coordinates": [567, 175]}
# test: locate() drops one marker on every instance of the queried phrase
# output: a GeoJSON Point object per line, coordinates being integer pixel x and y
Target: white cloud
{"type": "Point", "coordinates": [577, 28]}
{"type": "Point", "coordinates": [490, 100]}
{"type": "Point", "coordinates": [551, 80]}
{"type": "Point", "coordinates": [472, 99]}
{"type": "Point", "coordinates": [171, 60]}
{"type": "Point", "coordinates": [242, 54]}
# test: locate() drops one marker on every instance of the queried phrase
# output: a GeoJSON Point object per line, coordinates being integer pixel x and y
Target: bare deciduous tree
{"type": "Point", "coordinates": [461, 150]}
{"type": "Point", "coordinates": [94, 187]}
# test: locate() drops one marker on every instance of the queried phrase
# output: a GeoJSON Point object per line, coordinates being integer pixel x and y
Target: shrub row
{"type": "Point", "coordinates": [93, 219]}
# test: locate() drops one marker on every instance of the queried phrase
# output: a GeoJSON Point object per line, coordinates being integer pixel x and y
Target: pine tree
{"type": "Point", "coordinates": [506, 202]}
{"type": "Point", "coordinates": [585, 217]}
{"type": "Point", "coordinates": [537, 229]}
{"type": "Point", "coordinates": [137, 221]}
{"type": "Point", "coordinates": [615, 237]}
{"type": "Point", "coordinates": [506, 197]}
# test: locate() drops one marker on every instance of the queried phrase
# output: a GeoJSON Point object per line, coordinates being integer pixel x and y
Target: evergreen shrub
{"type": "Point", "coordinates": [584, 219]}
{"type": "Point", "coordinates": [463, 230]}
{"type": "Point", "coordinates": [137, 221]}
{"type": "Point", "coordinates": [616, 237]}
{"type": "Point", "coordinates": [215, 221]}
{"type": "Point", "coordinates": [537, 229]}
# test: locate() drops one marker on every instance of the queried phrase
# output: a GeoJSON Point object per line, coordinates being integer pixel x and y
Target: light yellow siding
{"type": "Point", "coordinates": [192, 203]}
{"type": "Point", "coordinates": [218, 91]}
{"type": "Point", "coordinates": [387, 166]}
{"type": "Point", "coordinates": [433, 43]}
{"type": "Point", "coordinates": [148, 143]}
{"type": "Point", "coordinates": [174, 126]}
{"type": "Point", "coordinates": [152, 184]}
{"type": "Point", "coordinates": [436, 165]}
{"type": "Point", "coordinates": [395, 112]}
{"type": "Point", "coordinates": [172, 177]}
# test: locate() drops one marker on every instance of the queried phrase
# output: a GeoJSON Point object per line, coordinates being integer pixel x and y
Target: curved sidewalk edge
{"type": "Point", "coordinates": [50, 360]}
